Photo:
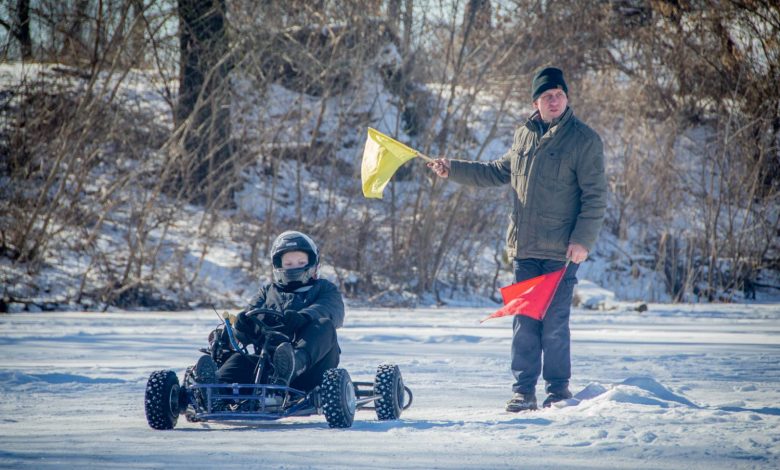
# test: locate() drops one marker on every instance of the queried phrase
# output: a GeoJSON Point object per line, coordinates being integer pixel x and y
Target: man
{"type": "Point", "coordinates": [556, 169]}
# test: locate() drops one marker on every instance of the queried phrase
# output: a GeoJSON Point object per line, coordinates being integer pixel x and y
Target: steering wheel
{"type": "Point", "coordinates": [272, 327]}
{"type": "Point", "coordinates": [272, 320]}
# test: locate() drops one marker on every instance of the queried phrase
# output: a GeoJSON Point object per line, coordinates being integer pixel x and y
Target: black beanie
{"type": "Point", "coordinates": [547, 79]}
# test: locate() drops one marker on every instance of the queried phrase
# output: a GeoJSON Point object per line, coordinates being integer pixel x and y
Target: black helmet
{"type": "Point", "coordinates": [293, 278]}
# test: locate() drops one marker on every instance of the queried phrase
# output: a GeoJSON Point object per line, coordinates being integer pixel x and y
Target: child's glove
{"type": "Point", "coordinates": [294, 320]}
{"type": "Point", "coordinates": [247, 328]}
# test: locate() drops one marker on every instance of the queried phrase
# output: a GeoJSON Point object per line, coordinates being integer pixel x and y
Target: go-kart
{"type": "Point", "coordinates": [337, 397]}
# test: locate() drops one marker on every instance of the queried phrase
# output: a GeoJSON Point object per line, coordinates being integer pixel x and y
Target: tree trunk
{"type": "Point", "coordinates": [137, 41]}
{"type": "Point", "coordinates": [23, 29]}
{"type": "Point", "coordinates": [406, 47]}
{"type": "Point", "coordinates": [393, 14]}
{"type": "Point", "coordinates": [204, 106]}
{"type": "Point", "coordinates": [73, 47]}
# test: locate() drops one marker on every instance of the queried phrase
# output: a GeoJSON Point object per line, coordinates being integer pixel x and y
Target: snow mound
{"type": "Point", "coordinates": [646, 391]}
{"type": "Point", "coordinates": [592, 297]}
{"type": "Point", "coordinates": [633, 390]}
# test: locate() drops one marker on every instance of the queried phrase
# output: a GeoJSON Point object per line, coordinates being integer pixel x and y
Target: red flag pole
{"type": "Point", "coordinates": [555, 291]}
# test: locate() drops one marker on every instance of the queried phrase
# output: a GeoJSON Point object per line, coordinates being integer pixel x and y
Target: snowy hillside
{"type": "Point", "coordinates": [194, 257]}
{"type": "Point", "coordinates": [689, 386]}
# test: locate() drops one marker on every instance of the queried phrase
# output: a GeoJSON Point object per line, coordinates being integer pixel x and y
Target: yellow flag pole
{"type": "Point", "coordinates": [425, 157]}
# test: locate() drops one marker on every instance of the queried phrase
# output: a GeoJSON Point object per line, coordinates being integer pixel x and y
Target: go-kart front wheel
{"type": "Point", "coordinates": [338, 398]}
{"type": "Point", "coordinates": [162, 399]}
{"type": "Point", "coordinates": [390, 386]}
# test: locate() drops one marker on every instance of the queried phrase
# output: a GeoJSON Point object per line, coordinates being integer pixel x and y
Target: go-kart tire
{"type": "Point", "coordinates": [162, 403]}
{"type": "Point", "coordinates": [339, 401]}
{"type": "Point", "coordinates": [389, 384]}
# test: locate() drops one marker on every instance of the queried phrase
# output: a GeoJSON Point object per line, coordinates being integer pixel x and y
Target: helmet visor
{"type": "Point", "coordinates": [293, 276]}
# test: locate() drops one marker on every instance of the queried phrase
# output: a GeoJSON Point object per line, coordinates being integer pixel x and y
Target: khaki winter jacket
{"type": "Point", "coordinates": [559, 186]}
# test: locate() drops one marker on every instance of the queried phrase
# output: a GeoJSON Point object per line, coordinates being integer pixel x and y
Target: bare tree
{"type": "Point", "coordinates": [19, 28]}
{"type": "Point", "coordinates": [73, 45]}
{"type": "Point", "coordinates": [203, 104]}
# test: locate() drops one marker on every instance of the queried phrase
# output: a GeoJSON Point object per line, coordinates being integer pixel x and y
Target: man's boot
{"type": "Point", "coordinates": [557, 396]}
{"type": "Point", "coordinates": [521, 402]}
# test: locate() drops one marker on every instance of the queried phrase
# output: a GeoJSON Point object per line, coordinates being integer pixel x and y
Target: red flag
{"type": "Point", "coordinates": [531, 297]}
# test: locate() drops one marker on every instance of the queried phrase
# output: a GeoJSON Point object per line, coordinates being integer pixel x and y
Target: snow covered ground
{"type": "Point", "coordinates": [686, 386]}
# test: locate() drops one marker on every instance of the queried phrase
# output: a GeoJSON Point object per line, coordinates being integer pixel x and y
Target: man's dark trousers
{"type": "Point", "coordinates": [531, 338]}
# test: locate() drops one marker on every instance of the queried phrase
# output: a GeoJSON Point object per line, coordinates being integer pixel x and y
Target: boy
{"type": "Point", "coordinates": [311, 310]}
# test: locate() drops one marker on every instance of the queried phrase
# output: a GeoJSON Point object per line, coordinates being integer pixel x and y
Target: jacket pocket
{"type": "Point", "coordinates": [553, 233]}
{"type": "Point", "coordinates": [551, 165]}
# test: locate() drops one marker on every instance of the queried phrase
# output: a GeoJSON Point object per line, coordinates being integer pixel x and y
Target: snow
{"type": "Point", "coordinates": [675, 386]}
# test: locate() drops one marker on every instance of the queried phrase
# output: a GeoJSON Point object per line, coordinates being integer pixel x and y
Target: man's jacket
{"type": "Point", "coordinates": [559, 187]}
{"type": "Point", "coordinates": [322, 300]}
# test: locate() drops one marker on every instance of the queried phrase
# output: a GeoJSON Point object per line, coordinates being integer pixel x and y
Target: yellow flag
{"type": "Point", "coordinates": [382, 156]}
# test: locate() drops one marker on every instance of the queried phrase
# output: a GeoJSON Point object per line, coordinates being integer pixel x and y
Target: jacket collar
{"type": "Point", "coordinates": [535, 121]}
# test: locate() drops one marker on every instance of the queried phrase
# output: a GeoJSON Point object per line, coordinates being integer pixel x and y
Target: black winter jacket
{"type": "Point", "coordinates": [323, 300]}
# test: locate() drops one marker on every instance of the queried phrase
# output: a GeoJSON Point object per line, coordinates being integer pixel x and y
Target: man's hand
{"type": "Point", "coordinates": [440, 166]}
{"type": "Point", "coordinates": [577, 253]}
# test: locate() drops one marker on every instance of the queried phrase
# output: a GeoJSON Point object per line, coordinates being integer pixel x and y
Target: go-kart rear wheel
{"type": "Point", "coordinates": [162, 399]}
{"type": "Point", "coordinates": [338, 398]}
{"type": "Point", "coordinates": [390, 386]}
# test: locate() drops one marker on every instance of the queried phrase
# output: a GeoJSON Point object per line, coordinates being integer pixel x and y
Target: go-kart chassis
{"type": "Point", "coordinates": [238, 402]}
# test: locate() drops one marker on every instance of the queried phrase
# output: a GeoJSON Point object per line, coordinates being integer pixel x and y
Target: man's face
{"type": "Point", "coordinates": [551, 104]}
{"type": "Point", "coordinates": [294, 259]}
